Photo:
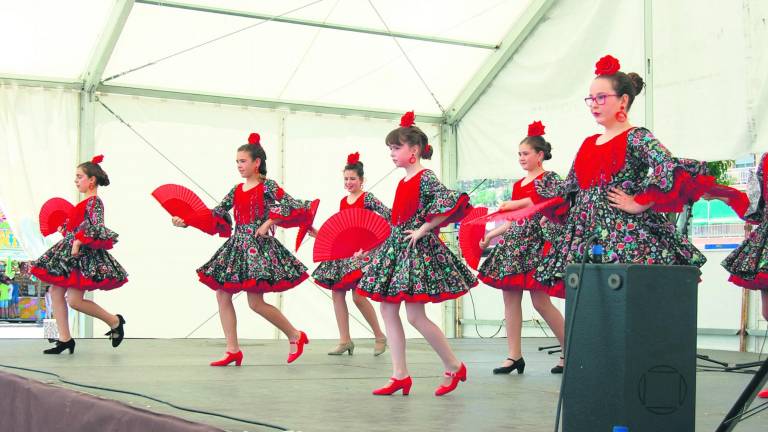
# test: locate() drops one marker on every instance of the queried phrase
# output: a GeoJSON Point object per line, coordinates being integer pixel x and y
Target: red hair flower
{"type": "Point", "coordinates": [353, 158]}
{"type": "Point", "coordinates": [97, 159]}
{"type": "Point", "coordinates": [535, 129]}
{"type": "Point", "coordinates": [427, 148]}
{"type": "Point", "coordinates": [408, 119]}
{"type": "Point", "coordinates": [254, 138]}
{"type": "Point", "coordinates": [608, 65]}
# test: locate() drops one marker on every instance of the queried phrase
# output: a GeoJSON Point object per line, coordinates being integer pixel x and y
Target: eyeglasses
{"type": "Point", "coordinates": [599, 99]}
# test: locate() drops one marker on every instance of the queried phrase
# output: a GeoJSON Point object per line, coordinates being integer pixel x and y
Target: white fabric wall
{"type": "Point", "coordinates": [163, 297]}
{"type": "Point", "coordinates": [38, 144]}
{"type": "Point", "coordinates": [710, 64]}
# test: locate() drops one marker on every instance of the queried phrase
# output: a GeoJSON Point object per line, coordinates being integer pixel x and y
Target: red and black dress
{"type": "Point", "coordinates": [343, 274]}
{"type": "Point", "coordinates": [428, 271]}
{"type": "Point", "coordinates": [639, 164]}
{"type": "Point", "coordinates": [748, 263]}
{"type": "Point", "coordinates": [247, 262]}
{"type": "Point", "coordinates": [513, 261]}
{"type": "Point", "coordinates": [93, 268]}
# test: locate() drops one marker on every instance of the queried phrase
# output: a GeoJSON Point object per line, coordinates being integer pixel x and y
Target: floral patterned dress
{"type": "Point", "coordinates": [428, 271]}
{"type": "Point", "coordinates": [638, 163]}
{"type": "Point", "coordinates": [247, 262]}
{"type": "Point", "coordinates": [343, 274]}
{"type": "Point", "coordinates": [513, 261]}
{"type": "Point", "coordinates": [93, 268]}
{"type": "Point", "coordinates": [748, 263]}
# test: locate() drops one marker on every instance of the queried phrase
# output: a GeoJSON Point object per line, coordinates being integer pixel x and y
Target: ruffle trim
{"type": "Point", "coordinates": [455, 213]}
{"type": "Point", "coordinates": [348, 281]}
{"type": "Point", "coordinates": [413, 298]}
{"type": "Point", "coordinates": [524, 282]}
{"type": "Point", "coordinates": [686, 188]}
{"type": "Point", "coordinates": [251, 285]}
{"type": "Point", "coordinates": [76, 280]}
{"type": "Point", "coordinates": [94, 243]}
{"type": "Point", "coordinates": [760, 282]}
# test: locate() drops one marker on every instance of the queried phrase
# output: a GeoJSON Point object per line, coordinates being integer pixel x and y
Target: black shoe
{"type": "Point", "coordinates": [557, 369]}
{"type": "Point", "coordinates": [61, 347]}
{"type": "Point", "coordinates": [117, 334]}
{"type": "Point", "coordinates": [518, 365]}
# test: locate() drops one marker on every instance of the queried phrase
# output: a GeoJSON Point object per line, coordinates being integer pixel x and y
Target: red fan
{"type": "Point", "coordinates": [182, 202]}
{"type": "Point", "coordinates": [348, 231]}
{"type": "Point", "coordinates": [53, 214]}
{"type": "Point", "coordinates": [515, 215]}
{"type": "Point", "coordinates": [737, 199]}
{"type": "Point", "coordinates": [470, 236]}
{"type": "Point", "coordinates": [304, 228]}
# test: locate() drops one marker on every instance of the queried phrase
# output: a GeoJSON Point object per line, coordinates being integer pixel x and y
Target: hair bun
{"type": "Point", "coordinates": [637, 82]}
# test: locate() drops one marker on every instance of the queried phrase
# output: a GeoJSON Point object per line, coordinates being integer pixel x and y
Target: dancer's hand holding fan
{"type": "Point", "coordinates": [349, 231]}
{"type": "Point", "coordinates": [53, 214]}
{"type": "Point", "coordinates": [188, 209]}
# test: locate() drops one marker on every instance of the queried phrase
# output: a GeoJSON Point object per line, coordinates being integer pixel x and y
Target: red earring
{"type": "Point", "coordinates": [621, 116]}
{"type": "Point", "coordinates": [412, 160]}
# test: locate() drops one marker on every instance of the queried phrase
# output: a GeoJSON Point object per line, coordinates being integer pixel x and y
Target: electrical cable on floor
{"type": "Point", "coordinates": [131, 393]}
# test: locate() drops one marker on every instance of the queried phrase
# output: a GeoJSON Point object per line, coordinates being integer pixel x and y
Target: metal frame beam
{"type": "Point", "coordinates": [261, 103]}
{"type": "Point", "coordinates": [91, 77]}
{"type": "Point", "coordinates": [648, 48]}
{"type": "Point", "coordinates": [341, 27]}
{"type": "Point", "coordinates": [42, 82]}
{"type": "Point", "coordinates": [523, 27]}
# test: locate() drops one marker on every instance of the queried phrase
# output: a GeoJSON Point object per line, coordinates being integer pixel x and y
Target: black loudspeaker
{"type": "Point", "coordinates": [632, 352]}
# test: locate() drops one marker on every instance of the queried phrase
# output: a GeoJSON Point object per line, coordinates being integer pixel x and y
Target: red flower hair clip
{"type": "Point", "coordinates": [254, 139]}
{"type": "Point", "coordinates": [408, 119]}
{"type": "Point", "coordinates": [607, 65]}
{"type": "Point", "coordinates": [427, 148]}
{"type": "Point", "coordinates": [353, 158]}
{"type": "Point", "coordinates": [535, 129]}
{"type": "Point", "coordinates": [97, 159]}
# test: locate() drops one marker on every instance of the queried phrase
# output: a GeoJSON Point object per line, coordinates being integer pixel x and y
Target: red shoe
{"type": "Point", "coordinates": [763, 394]}
{"type": "Point", "coordinates": [303, 339]}
{"type": "Point", "coordinates": [231, 357]}
{"type": "Point", "coordinates": [459, 375]}
{"type": "Point", "coordinates": [395, 385]}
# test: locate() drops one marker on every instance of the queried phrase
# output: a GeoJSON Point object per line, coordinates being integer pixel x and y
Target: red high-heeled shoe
{"type": "Point", "coordinates": [763, 394]}
{"type": "Point", "coordinates": [303, 339]}
{"type": "Point", "coordinates": [230, 357]}
{"type": "Point", "coordinates": [395, 385]}
{"type": "Point", "coordinates": [459, 375]}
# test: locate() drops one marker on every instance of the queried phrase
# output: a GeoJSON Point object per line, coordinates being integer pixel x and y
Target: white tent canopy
{"type": "Point", "coordinates": [322, 78]}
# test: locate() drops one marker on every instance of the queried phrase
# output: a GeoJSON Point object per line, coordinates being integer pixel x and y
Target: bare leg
{"type": "Point", "coordinates": [365, 308]}
{"type": "Point", "coordinates": [89, 307]}
{"type": "Point", "coordinates": [228, 320]}
{"type": "Point", "coordinates": [274, 316]}
{"type": "Point", "coordinates": [342, 316]}
{"type": "Point", "coordinates": [513, 318]}
{"type": "Point", "coordinates": [543, 304]}
{"type": "Point", "coordinates": [60, 312]}
{"type": "Point", "coordinates": [417, 316]}
{"type": "Point", "coordinates": [390, 312]}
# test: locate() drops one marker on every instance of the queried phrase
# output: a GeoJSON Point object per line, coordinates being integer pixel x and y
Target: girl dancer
{"type": "Point", "coordinates": [619, 182]}
{"type": "Point", "coordinates": [747, 263]}
{"type": "Point", "coordinates": [80, 261]}
{"type": "Point", "coordinates": [343, 275]}
{"type": "Point", "coordinates": [512, 263]}
{"type": "Point", "coordinates": [413, 265]}
{"type": "Point", "coordinates": [252, 260]}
